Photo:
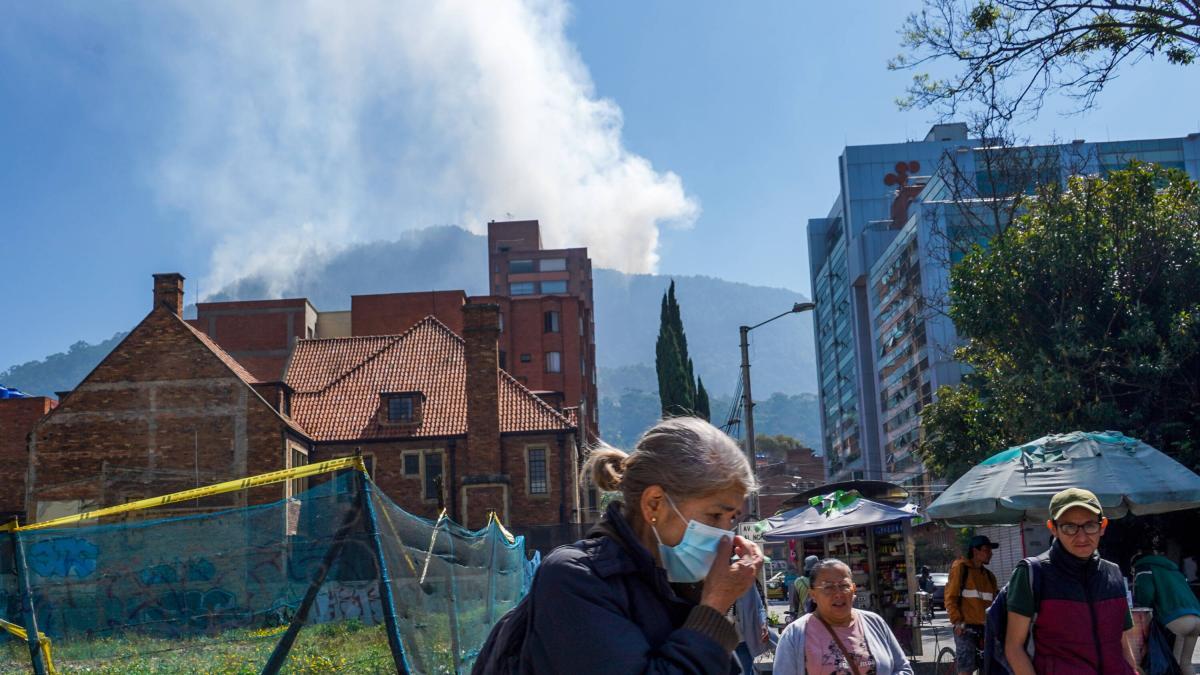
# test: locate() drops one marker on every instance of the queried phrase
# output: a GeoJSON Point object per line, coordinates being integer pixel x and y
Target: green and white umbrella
{"type": "Point", "coordinates": [1015, 485]}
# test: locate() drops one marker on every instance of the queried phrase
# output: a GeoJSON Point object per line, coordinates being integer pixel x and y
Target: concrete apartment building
{"type": "Point", "coordinates": [876, 267]}
{"type": "Point", "coordinates": [547, 337]}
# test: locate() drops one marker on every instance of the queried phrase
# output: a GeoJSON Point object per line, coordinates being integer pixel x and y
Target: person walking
{"type": "Point", "coordinates": [1158, 583]}
{"type": "Point", "coordinates": [968, 594]}
{"type": "Point", "coordinates": [800, 587]}
{"type": "Point", "coordinates": [649, 589]}
{"type": "Point", "coordinates": [836, 638]}
{"type": "Point", "coordinates": [1079, 612]}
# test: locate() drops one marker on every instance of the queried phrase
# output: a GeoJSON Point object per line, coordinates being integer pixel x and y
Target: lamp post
{"type": "Point", "coordinates": [748, 401]}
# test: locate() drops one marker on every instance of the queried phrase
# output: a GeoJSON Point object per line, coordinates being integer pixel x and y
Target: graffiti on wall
{"type": "Point", "coordinates": [62, 557]}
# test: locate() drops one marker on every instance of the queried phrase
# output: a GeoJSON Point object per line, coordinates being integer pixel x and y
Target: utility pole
{"type": "Point", "coordinates": [748, 417]}
{"type": "Point", "coordinates": [748, 400]}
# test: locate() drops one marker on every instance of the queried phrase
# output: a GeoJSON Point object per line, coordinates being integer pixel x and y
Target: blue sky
{"type": "Point", "coordinates": [224, 139]}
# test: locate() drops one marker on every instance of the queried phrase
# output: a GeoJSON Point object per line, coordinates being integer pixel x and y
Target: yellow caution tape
{"type": "Point", "coordinates": [43, 642]}
{"type": "Point", "coordinates": [507, 535]}
{"type": "Point", "coordinates": [198, 493]}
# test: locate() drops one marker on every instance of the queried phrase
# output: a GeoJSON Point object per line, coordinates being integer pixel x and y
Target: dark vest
{"type": "Point", "coordinates": [1080, 616]}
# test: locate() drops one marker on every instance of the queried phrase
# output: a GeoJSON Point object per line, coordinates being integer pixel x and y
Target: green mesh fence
{"type": "Point", "coordinates": [225, 591]}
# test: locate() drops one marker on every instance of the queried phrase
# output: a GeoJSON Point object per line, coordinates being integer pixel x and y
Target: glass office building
{"type": "Point", "coordinates": [880, 273]}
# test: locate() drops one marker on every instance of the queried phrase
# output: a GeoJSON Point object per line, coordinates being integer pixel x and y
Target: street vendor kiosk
{"type": "Point", "coordinates": [875, 540]}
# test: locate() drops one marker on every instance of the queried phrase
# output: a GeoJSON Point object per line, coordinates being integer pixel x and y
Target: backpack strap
{"type": "Point", "coordinates": [1035, 580]}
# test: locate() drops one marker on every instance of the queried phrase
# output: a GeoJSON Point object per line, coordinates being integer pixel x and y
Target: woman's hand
{"type": "Point", "coordinates": [728, 580]}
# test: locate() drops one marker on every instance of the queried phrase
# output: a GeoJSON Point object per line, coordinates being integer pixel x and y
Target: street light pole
{"type": "Point", "coordinates": [748, 416]}
{"type": "Point", "coordinates": [748, 400]}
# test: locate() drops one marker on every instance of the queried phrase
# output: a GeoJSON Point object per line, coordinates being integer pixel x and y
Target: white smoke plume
{"type": "Point", "coordinates": [304, 127]}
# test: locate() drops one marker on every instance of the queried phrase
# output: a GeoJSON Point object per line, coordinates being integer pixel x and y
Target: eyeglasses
{"type": "Point", "coordinates": [830, 589]}
{"type": "Point", "coordinates": [1072, 529]}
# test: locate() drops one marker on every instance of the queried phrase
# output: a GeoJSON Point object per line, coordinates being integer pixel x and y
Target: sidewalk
{"type": "Point", "coordinates": [934, 639]}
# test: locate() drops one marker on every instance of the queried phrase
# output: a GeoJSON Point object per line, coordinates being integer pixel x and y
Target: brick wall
{"type": "Point", "coordinates": [480, 330]}
{"type": "Point", "coordinates": [258, 333]}
{"type": "Point", "coordinates": [395, 313]}
{"type": "Point", "coordinates": [524, 509]}
{"type": "Point", "coordinates": [161, 413]}
{"type": "Point", "coordinates": [17, 419]}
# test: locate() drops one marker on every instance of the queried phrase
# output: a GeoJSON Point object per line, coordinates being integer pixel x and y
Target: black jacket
{"type": "Point", "coordinates": [602, 605]}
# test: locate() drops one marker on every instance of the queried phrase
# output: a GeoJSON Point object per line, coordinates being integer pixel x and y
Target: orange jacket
{"type": "Point", "coordinates": [969, 592]}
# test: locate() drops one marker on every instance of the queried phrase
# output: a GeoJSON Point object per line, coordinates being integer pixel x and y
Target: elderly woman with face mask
{"type": "Point", "coordinates": [837, 638]}
{"type": "Point", "coordinates": [649, 589]}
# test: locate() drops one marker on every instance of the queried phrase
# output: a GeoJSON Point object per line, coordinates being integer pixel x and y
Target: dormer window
{"type": "Point", "coordinates": [400, 407]}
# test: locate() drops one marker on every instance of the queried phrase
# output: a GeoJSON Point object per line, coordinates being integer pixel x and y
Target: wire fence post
{"type": "Point", "coordinates": [28, 611]}
{"type": "Point", "coordinates": [452, 606]}
{"type": "Point", "coordinates": [492, 574]}
{"type": "Point", "coordinates": [385, 581]}
{"type": "Point", "coordinates": [279, 654]}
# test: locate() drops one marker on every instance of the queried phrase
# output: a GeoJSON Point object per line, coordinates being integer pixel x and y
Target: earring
{"type": "Point", "coordinates": [654, 521]}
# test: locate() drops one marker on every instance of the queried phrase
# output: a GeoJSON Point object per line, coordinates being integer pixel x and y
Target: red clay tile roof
{"type": "Point", "coordinates": [337, 383]}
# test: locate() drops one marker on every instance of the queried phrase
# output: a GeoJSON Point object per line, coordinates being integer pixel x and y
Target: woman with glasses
{"type": "Point", "coordinates": [838, 639]}
{"type": "Point", "coordinates": [649, 589]}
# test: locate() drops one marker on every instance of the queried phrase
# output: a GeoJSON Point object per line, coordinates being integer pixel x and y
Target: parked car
{"type": "Point", "coordinates": [939, 579]}
{"type": "Point", "coordinates": [777, 587]}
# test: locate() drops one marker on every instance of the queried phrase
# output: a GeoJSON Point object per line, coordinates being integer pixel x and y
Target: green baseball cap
{"type": "Point", "coordinates": [1072, 497]}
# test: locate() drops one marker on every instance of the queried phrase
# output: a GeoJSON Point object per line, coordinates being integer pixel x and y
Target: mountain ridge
{"type": "Point", "coordinates": [626, 315]}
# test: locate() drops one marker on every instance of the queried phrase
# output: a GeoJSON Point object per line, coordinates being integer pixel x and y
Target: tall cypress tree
{"type": "Point", "coordinates": [702, 407]}
{"type": "Point", "coordinates": [677, 391]}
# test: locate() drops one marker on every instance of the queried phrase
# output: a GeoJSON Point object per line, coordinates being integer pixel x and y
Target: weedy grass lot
{"type": "Point", "coordinates": [344, 647]}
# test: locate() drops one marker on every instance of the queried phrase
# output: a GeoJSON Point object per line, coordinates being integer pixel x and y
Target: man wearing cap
{"type": "Point", "coordinates": [1080, 610]}
{"type": "Point", "coordinates": [969, 592]}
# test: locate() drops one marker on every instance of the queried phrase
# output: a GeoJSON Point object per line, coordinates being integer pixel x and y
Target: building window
{"type": "Point", "coordinates": [526, 358]}
{"type": "Point", "coordinates": [553, 362]}
{"type": "Point", "coordinates": [554, 287]}
{"type": "Point", "coordinates": [298, 458]}
{"type": "Point", "coordinates": [521, 288]}
{"type": "Point", "coordinates": [433, 475]}
{"type": "Point", "coordinates": [400, 409]}
{"type": "Point", "coordinates": [412, 464]}
{"type": "Point", "coordinates": [550, 321]}
{"type": "Point", "coordinates": [520, 266]}
{"type": "Point", "coordinates": [552, 264]}
{"type": "Point", "coordinates": [501, 322]}
{"type": "Point", "coordinates": [503, 360]}
{"type": "Point", "coordinates": [536, 465]}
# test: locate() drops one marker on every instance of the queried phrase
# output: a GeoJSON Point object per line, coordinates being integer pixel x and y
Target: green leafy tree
{"type": "Point", "coordinates": [1007, 55]}
{"type": "Point", "coordinates": [1083, 314]}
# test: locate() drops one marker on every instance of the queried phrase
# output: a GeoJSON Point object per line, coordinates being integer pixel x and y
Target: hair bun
{"type": "Point", "coordinates": [607, 466]}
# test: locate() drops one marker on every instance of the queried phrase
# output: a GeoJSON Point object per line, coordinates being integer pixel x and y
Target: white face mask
{"type": "Point", "coordinates": [690, 560]}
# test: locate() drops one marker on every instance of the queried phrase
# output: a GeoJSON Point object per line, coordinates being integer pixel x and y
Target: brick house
{"type": "Point", "coordinates": [441, 425]}
{"type": "Point", "coordinates": [802, 469]}
{"type": "Point", "coordinates": [166, 410]}
{"type": "Point", "coordinates": [547, 337]}
{"type": "Point", "coordinates": [18, 415]}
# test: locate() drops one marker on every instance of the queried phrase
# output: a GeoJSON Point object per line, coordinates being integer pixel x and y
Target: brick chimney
{"type": "Point", "coordinates": [481, 328]}
{"type": "Point", "coordinates": [168, 291]}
